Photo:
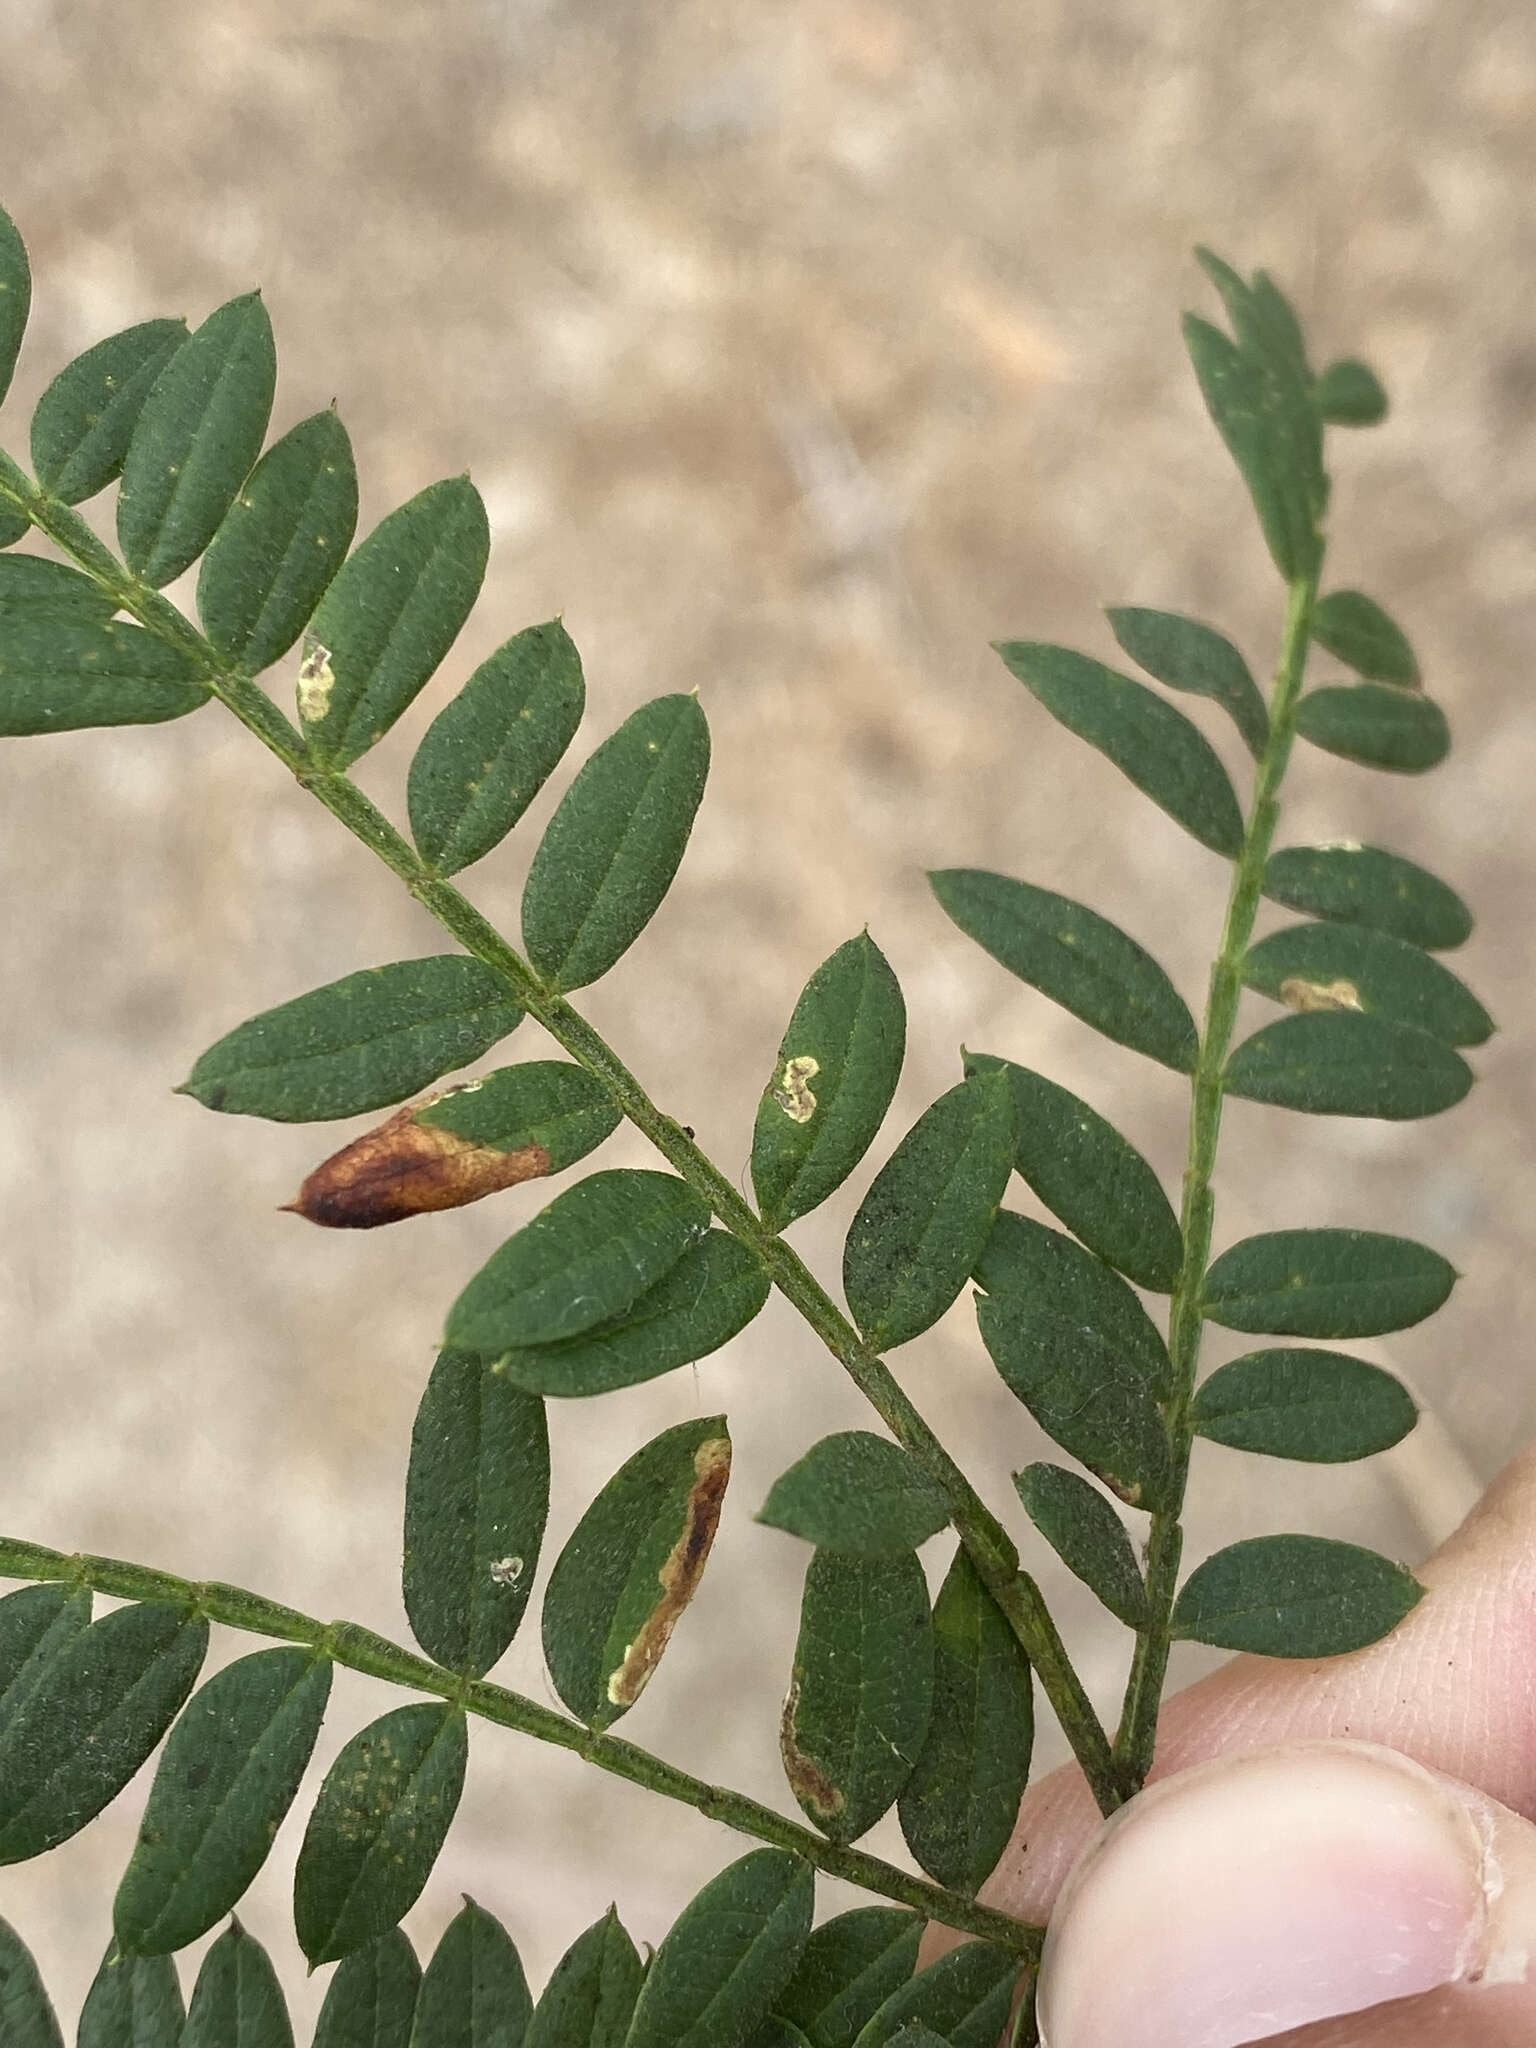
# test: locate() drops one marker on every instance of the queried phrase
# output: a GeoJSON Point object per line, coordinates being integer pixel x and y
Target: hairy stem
{"type": "Point", "coordinates": [1138, 1721]}
{"type": "Point", "coordinates": [359, 1649]}
{"type": "Point", "coordinates": [990, 1548]}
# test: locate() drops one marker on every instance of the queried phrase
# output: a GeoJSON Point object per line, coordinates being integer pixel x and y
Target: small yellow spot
{"type": "Point", "coordinates": [792, 1094]}
{"type": "Point", "coordinates": [1302, 994]}
{"type": "Point", "coordinates": [317, 679]}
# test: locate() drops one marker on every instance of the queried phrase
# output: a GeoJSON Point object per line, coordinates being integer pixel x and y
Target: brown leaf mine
{"type": "Point", "coordinates": [807, 1780]}
{"type": "Point", "coordinates": [404, 1168]}
{"type": "Point", "coordinates": [1320, 995]}
{"type": "Point", "coordinates": [679, 1575]}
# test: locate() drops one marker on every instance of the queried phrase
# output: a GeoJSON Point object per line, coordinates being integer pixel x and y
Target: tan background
{"type": "Point", "coordinates": [798, 349]}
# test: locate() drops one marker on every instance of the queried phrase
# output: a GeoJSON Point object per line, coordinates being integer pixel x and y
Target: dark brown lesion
{"type": "Point", "coordinates": [404, 1168]}
{"type": "Point", "coordinates": [807, 1780]}
{"type": "Point", "coordinates": [679, 1574]}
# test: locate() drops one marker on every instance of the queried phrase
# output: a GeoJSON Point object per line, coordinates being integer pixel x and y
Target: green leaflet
{"type": "Point", "coordinates": [712, 1293]}
{"type": "Point", "coordinates": [609, 853]}
{"type": "Point", "coordinates": [851, 1965]}
{"type": "Point", "coordinates": [730, 1953]}
{"type": "Point", "coordinates": [15, 297]}
{"type": "Point", "coordinates": [552, 1104]}
{"type": "Point", "coordinates": [1075, 957]}
{"type": "Point", "coordinates": [1354, 627]}
{"type": "Point", "coordinates": [228, 1775]}
{"type": "Point", "coordinates": [859, 1493]}
{"type": "Point", "coordinates": [280, 544]}
{"type": "Point", "coordinates": [1167, 757]}
{"type": "Point", "coordinates": [1087, 1535]}
{"type": "Point", "coordinates": [133, 2002]}
{"type": "Point", "coordinates": [1364, 885]}
{"type": "Point", "coordinates": [1042, 1271]}
{"type": "Point", "coordinates": [590, 1998]}
{"type": "Point", "coordinates": [920, 1229]}
{"type": "Point", "coordinates": [1326, 1283]}
{"type": "Point", "coordinates": [631, 1566]}
{"type": "Point", "coordinates": [1349, 394]}
{"type": "Point", "coordinates": [360, 1043]}
{"type": "Point", "coordinates": [965, 1997]}
{"type": "Point", "coordinates": [371, 2000]}
{"type": "Point", "coordinates": [197, 434]}
{"type": "Point", "coordinates": [1088, 1175]}
{"type": "Point", "coordinates": [60, 672]}
{"type": "Point", "coordinates": [490, 750]}
{"type": "Point", "coordinates": [389, 616]}
{"type": "Point", "coordinates": [1352, 967]}
{"type": "Point", "coordinates": [383, 1811]}
{"type": "Point", "coordinates": [1323, 1406]}
{"type": "Point", "coordinates": [476, 1499]}
{"type": "Point", "coordinates": [959, 1805]}
{"type": "Point", "coordinates": [1251, 418]}
{"type": "Point", "coordinates": [88, 1720]}
{"type": "Point", "coordinates": [585, 1259]}
{"type": "Point", "coordinates": [474, 1993]}
{"type": "Point", "coordinates": [836, 1072]}
{"type": "Point", "coordinates": [1377, 725]}
{"type": "Point", "coordinates": [26, 2016]}
{"type": "Point", "coordinates": [1187, 655]}
{"type": "Point", "coordinates": [1294, 1596]}
{"type": "Point", "coordinates": [861, 1692]}
{"type": "Point", "coordinates": [32, 584]}
{"type": "Point", "coordinates": [85, 419]}
{"type": "Point", "coordinates": [36, 1625]}
{"type": "Point", "coordinates": [1343, 1063]}
{"type": "Point", "coordinates": [237, 2001]}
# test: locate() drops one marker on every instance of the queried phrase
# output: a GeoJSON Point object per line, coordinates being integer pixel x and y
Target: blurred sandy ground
{"type": "Point", "coordinates": [798, 349]}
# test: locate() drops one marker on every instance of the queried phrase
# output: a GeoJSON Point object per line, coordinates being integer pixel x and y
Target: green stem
{"type": "Point", "coordinates": [990, 1548]}
{"type": "Point", "coordinates": [1138, 1720]}
{"type": "Point", "coordinates": [359, 1649]}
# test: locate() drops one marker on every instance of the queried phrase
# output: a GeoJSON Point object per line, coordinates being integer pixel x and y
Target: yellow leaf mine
{"type": "Point", "coordinates": [792, 1095]}
{"type": "Point", "coordinates": [1319, 995]}
{"type": "Point", "coordinates": [317, 679]}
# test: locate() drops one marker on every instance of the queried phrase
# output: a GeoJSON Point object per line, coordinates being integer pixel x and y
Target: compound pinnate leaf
{"type": "Point", "coordinates": [851, 1965]}
{"type": "Point", "coordinates": [378, 1824]}
{"type": "Point", "coordinates": [85, 419]}
{"type": "Point", "coordinates": [198, 432]}
{"type": "Point", "coordinates": [1351, 967]}
{"type": "Point", "coordinates": [1354, 627]}
{"type": "Point", "coordinates": [474, 1993]}
{"type": "Point", "coordinates": [1075, 957]}
{"type": "Point", "coordinates": [1187, 655]}
{"type": "Point", "coordinates": [26, 2015]}
{"type": "Point", "coordinates": [280, 543]}
{"type": "Point", "coordinates": [1293, 1596]}
{"type": "Point", "coordinates": [476, 1500]}
{"type": "Point", "coordinates": [859, 1493]}
{"type": "Point", "coordinates": [590, 1997]}
{"type": "Point", "coordinates": [1365, 885]}
{"type": "Point", "coordinates": [630, 1568]}
{"type": "Point", "coordinates": [32, 585]}
{"type": "Point", "coordinates": [133, 2002]}
{"type": "Point", "coordinates": [609, 853]}
{"type": "Point", "coordinates": [836, 1073]}
{"type": "Point", "coordinates": [237, 2001]}
{"type": "Point", "coordinates": [36, 1625]}
{"type": "Point", "coordinates": [1376, 725]}
{"type": "Point", "coordinates": [1349, 394]}
{"type": "Point", "coordinates": [1087, 1535]}
{"type": "Point", "coordinates": [1168, 758]}
{"type": "Point", "coordinates": [1326, 1283]}
{"type": "Point", "coordinates": [730, 1953]}
{"type": "Point", "coordinates": [959, 1805]}
{"type": "Point", "coordinates": [371, 2000]}
{"type": "Point", "coordinates": [389, 616]}
{"type": "Point", "coordinates": [584, 1260]}
{"type": "Point", "coordinates": [1340, 1062]}
{"type": "Point", "coordinates": [60, 672]}
{"type": "Point", "coordinates": [1089, 1176]}
{"type": "Point", "coordinates": [1265, 428]}
{"type": "Point", "coordinates": [357, 1044]}
{"type": "Point", "coordinates": [1040, 1270]}
{"type": "Point", "coordinates": [89, 1720]}
{"type": "Point", "coordinates": [921, 1227]}
{"type": "Point", "coordinates": [1323, 1406]}
{"type": "Point", "coordinates": [15, 297]}
{"type": "Point", "coordinates": [711, 1294]}
{"type": "Point", "coordinates": [861, 1693]}
{"type": "Point", "coordinates": [228, 1775]}
{"type": "Point", "coordinates": [489, 751]}
{"type": "Point", "coordinates": [965, 1997]}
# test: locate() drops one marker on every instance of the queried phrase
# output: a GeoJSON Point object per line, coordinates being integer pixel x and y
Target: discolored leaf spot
{"type": "Point", "coordinates": [793, 1094]}
{"type": "Point", "coordinates": [679, 1575]}
{"type": "Point", "coordinates": [404, 1168]}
